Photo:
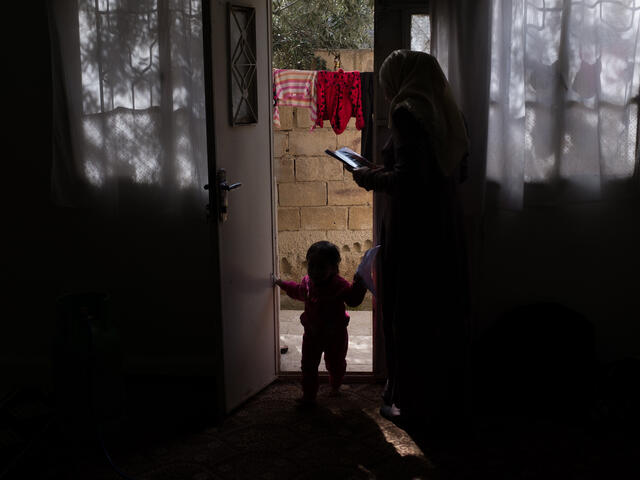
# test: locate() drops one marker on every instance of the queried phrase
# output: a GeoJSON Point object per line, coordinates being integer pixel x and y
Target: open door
{"type": "Point", "coordinates": [240, 144]}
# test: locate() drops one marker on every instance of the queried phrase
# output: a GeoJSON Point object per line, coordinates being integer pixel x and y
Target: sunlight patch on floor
{"type": "Point", "coordinates": [397, 437]}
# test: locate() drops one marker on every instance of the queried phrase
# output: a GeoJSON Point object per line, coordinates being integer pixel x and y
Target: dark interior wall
{"type": "Point", "coordinates": [585, 256]}
{"type": "Point", "coordinates": [156, 267]}
{"type": "Point", "coordinates": [26, 212]}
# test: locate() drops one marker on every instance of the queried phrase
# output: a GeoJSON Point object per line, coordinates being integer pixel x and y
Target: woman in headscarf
{"type": "Point", "coordinates": [422, 268]}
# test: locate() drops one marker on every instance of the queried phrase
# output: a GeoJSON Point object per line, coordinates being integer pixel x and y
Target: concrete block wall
{"type": "Point", "coordinates": [317, 198]}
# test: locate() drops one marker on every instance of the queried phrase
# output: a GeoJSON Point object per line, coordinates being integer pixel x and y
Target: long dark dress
{"type": "Point", "coordinates": [422, 276]}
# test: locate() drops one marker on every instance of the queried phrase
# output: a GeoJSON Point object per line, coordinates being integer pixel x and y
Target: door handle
{"type": "Point", "coordinates": [227, 187]}
{"type": "Point", "coordinates": [223, 189]}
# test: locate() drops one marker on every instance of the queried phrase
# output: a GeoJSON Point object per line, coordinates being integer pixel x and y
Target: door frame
{"type": "Point", "coordinates": [212, 206]}
{"type": "Point", "coordinates": [407, 13]}
{"type": "Point", "coordinates": [274, 203]}
{"type": "Point", "coordinates": [392, 30]}
{"type": "Point", "coordinates": [377, 373]}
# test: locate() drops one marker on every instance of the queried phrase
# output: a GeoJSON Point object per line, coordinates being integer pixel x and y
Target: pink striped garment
{"type": "Point", "coordinates": [294, 88]}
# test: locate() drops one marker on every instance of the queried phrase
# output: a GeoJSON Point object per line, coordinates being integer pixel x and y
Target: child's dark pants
{"type": "Point", "coordinates": [334, 344]}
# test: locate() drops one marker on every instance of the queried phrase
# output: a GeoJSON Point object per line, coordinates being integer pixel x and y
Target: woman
{"type": "Point", "coordinates": [423, 273]}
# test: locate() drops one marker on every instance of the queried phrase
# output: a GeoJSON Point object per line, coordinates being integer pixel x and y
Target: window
{"type": "Point", "coordinates": [564, 75]}
{"type": "Point", "coordinates": [421, 33]}
{"type": "Point", "coordinates": [142, 91]}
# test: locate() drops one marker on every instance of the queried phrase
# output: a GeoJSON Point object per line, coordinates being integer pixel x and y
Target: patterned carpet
{"type": "Point", "coordinates": [345, 438]}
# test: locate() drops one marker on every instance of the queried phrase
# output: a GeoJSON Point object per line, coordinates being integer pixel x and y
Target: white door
{"type": "Point", "coordinates": [246, 239]}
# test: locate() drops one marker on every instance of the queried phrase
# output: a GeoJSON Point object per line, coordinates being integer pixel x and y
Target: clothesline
{"type": "Point", "coordinates": [334, 96]}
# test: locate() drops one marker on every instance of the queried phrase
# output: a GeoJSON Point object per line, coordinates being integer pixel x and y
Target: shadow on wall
{"type": "Point", "coordinates": [537, 365]}
{"type": "Point", "coordinates": [537, 361]}
{"type": "Point", "coordinates": [582, 254]}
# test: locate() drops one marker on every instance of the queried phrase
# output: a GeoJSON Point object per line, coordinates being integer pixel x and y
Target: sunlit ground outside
{"type": "Point", "coordinates": [359, 355]}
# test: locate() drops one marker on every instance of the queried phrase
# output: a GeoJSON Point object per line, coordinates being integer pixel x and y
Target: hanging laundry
{"type": "Point", "coordinates": [339, 99]}
{"type": "Point", "coordinates": [294, 88]}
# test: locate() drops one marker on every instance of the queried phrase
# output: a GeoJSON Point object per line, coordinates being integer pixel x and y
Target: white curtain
{"type": "Point", "coordinates": [563, 110]}
{"type": "Point", "coordinates": [129, 109]}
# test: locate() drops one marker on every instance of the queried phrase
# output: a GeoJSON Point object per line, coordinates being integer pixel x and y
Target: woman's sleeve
{"type": "Point", "coordinates": [376, 179]}
{"type": "Point", "coordinates": [409, 157]}
{"type": "Point", "coordinates": [297, 291]}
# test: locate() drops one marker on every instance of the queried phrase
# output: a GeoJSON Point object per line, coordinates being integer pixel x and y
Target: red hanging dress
{"type": "Point", "coordinates": [339, 99]}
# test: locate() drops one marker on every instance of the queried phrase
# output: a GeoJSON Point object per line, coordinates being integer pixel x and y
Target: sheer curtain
{"type": "Point", "coordinates": [129, 109]}
{"type": "Point", "coordinates": [563, 110]}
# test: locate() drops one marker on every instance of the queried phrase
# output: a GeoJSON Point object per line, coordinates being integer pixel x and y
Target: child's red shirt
{"type": "Point", "coordinates": [324, 306]}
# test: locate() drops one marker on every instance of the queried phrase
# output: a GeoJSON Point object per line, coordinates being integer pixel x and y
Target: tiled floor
{"type": "Point", "coordinates": [359, 355]}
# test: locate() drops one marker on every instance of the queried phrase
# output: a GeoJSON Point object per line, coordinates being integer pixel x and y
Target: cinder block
{"type": "Point", "coordinates": [324, 218]}
{"type": "Point", "coordinates": [326, 56]}
{"type": "Point", "coordinates": [280, 143]}
{"type": "Point", "coordinates": [347, 192]}
{"type": "Point", "coordinates": [288, 219]}
{"type": "Point", "coordinates": [303, 142]}
{"type": "Point", "coordinates": [284, 169]}
{"type": "Point", "coordinates": [352, 245]}
{"type": "Point", "coordinates": [347, 60]}
{"type": "Point", "coordinates": [301, 117]}
{"type": "Point", "coordinates": [291, 270]}
{"type": "Point", "coordinates": [356, 241]}
{"type": "Point", "coordinates": [296, 243]}
{"type": "Point", "coordinates": [364, 60]}
{"type": "Point", "coordinates": [286, 118]}
{"type": "Point", "coordinates": [293, 266]}
{"type": "Point", "coordinates": [351, 137]}
{"type": "Point", "coordinates": [361, 218]}
{"type": "Point", "coordinates": [302, 194]}
{"type": "Point", "coordinates": [360, 59]}
{"type": "Point", "coordinates": [318, 168]}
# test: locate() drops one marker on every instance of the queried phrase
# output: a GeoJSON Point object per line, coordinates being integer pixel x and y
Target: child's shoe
{"type": "Point", "coordinates": [335, 392]}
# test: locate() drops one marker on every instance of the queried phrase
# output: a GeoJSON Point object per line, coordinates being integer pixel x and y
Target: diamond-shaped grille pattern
{"type": "Point", "coordinates": [243, 65]}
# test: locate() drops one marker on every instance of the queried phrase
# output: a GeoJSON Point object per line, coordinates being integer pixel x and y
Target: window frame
{"type": "Point", "coordinates": [406, 22]}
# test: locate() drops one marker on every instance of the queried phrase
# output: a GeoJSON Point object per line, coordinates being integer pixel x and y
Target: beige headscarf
{"type": "Point", "coordinates": [415, 81]}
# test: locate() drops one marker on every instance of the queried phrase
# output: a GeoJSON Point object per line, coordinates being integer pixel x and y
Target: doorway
{"type": "Point", "coordinates": [318, 200]}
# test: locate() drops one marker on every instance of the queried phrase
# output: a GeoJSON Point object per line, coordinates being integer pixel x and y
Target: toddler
{"type": "Point", "coordinates": [324, 293]}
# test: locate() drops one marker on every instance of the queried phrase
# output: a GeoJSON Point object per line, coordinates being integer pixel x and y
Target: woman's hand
{"type": "Point", "coordinates": [276, 280]}
{"type": "Point", "coordinates": [359, 175]}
